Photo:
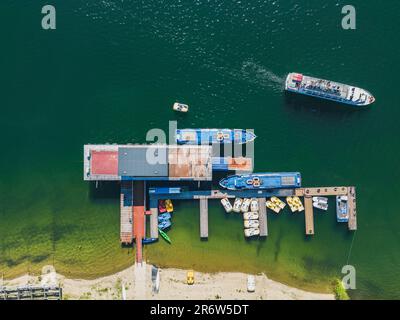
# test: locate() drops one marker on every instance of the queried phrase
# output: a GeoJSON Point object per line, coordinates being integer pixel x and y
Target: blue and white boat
{"type": "Point", "coordinates": [262, 181]}
{"type": "Point", "coordinates": [164, 216]}
{"type": "Point", "coordinates": [328, 90]}
{"type": "Point", "coordinates": [164, 224]}
{"type": "Point", "coordinates": [210, 136]}
{"type": "Point", "coordinates": [342, 209]}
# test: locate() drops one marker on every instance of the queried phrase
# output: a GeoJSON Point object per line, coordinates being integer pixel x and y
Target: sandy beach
{"type": "Point", "coordinates": [138, 285]}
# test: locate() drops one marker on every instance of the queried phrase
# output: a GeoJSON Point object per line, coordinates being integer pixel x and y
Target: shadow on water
{"type": "Point", "coordinates": [320, 107]}
{"type": "Point", "coordinates": [103, 190]}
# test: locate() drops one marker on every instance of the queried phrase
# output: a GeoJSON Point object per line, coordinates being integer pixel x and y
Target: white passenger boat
{"type": "Point", "coordinates": [278, 202]}
{"type": "Point", "coordinates": [320, 205]}
{"type": "Point", "coordinates": [272, 206]}
{"type": "Point", "coordinates": [320, 199]}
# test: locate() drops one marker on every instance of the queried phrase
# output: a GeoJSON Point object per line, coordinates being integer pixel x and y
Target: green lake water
{"type": "Point", "coordinates": [111, 71]}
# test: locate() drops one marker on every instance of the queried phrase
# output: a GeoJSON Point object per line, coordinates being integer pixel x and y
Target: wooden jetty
{"type": "Point", "coordinates": [309, 215]}
{"type": "Point", "coordinates": [126, 213]}
{"type": "Point", "coordinates": [308, 193]}
{"type": "Point", "coordinates": [154, 219]}
{"type": "Point", "coordinates": [203, 217]}
{"type": "Point", "coordinates": [263, 217]}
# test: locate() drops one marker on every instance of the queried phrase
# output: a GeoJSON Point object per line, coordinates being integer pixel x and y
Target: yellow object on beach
{"type": "Point", "coordinates": [190, 277]}
{"type": "Point", "coordinates": [169, 206]}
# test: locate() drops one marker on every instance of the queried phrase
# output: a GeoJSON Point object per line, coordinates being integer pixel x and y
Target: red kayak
{"type": "Point", "coordinates": [161, 206]}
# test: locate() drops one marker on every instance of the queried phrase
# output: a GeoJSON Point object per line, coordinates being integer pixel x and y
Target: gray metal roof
{"type": "Point", "coordinates": [143, 161]}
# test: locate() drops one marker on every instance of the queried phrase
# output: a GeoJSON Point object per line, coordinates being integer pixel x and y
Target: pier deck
{"type": "Point", "coordinates": [321, 191]}
{"type": "Point", "coordinates": [309, 215]}
{"type": "Point", "coordinates": [126, 213]}
{"type": "Point", "coordinates": [352, 209]}
{"type": "Point", "coordinates": [154, 219]}
{"type": "Point", "coordinates": [204, 217]}
{"type": "Point", "coordinates": [139, 231]}
{"type": "Point", "coordinates": [263, 217]}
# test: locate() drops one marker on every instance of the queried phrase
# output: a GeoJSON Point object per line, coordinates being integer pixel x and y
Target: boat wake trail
{"type": "Point", "coordinates": [258, 74]}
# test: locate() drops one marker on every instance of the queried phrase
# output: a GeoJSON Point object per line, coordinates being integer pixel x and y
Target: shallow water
{"type": "Point", "coordinates": [111, 71]}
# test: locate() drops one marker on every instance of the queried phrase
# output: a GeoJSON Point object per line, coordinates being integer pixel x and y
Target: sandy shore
{"type": "Point", "coordinates": [137, 283]}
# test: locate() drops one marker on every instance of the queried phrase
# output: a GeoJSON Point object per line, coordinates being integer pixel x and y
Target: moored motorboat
{"type": "Point", "coordinates": [328, 90]}
{"type": "Point", "coordinates": [164, 216]}
{"type": "Point", "coordinates": [262, 181]}
{"type": "Point", "coordinates": [169, 206]}
{"type": "Point", "coordinates": [251, 232]}
{"type": "Point", "coordinates": [320, 199]}
{"type": "Point", "coordinates": [320, 205]}
{"type": "Point", "coordinates": [237, 204]}
{"type": "Point", "coordinates": [161, 206]}
{"type": "Point", "coordinates": [254, 205]}
{"type": "Point", "coordinates": [250, 215]}
{"type": "Point", "coordinates": [342, 214]}
{"type": "Point", "coordinates": [270, 205]}
{"type": "Point", "coordinates": [162, 225]}
{"type": "Point", "coordinates": [245, 205]}
{"type": "Point", "coordinates": [227, 205]}
{"type": "Point", "coordinates": [251, 223]}
{"type": "Point", "coordinates": [278, 202]}
{"type": "Point", "coordinates": [298, 203]}
{"type": "Point", "coordinates": [292, 205]}
{"type": "Point", "coordinates": [180, 107]}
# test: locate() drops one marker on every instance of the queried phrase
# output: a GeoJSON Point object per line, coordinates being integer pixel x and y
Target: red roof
{"type": "Point", "coordinates": [104, 162]}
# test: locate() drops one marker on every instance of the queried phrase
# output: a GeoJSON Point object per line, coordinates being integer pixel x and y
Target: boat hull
{"type": "Point", "coordinates": [211, 136]}
{"type": "Point", "coordinates": [257, 181]}
{"type": "Point", "coordinates": [328, 90]}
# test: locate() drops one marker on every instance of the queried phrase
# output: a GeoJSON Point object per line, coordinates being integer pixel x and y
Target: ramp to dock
{"type": "Point", "coordinates": [309, 215]}
{"type": "Point", "coordinates": [203, 217]}
{"type": "Point", "coordinates": [263, 217]}
{"type": "Point", "coordinates": [126, 213]}
{"type": "Point", "coordinates": [139, 231]}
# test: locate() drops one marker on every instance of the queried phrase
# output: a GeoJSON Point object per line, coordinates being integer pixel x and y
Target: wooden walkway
{"type": "Point", "coordinates": [309, 215]}
{"type": "Point", "coordinates": [352, 209]}
{"type": "Point", "coordinates": [263, 217]}
{"type": "Point", "coordinates": [126, 226]}
{"type": "Point", "coordinates": [321, 191]}
{"type": "Point", "coordinates": [203, 217]}
{"type": "Point", "coordinates": [154, 219]}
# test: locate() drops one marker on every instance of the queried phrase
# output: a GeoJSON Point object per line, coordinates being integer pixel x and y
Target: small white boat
{"type": "Point", "coordinates": [245, 205]}
{"type": "Point", "coordinates": [278, 202]}
{"type": "Point", "coordinates": [227, 205]}
{"type": "Point", "coordinates": [254, 205]}
{"type": "Point", "coordinates": [251, 232]}
{"type": "Point", "coordinates": [180, 107]}
{"type": "Point", "coordinates": [251, 283]}
{"type": "Point", "coordinates": [250, 216]}
{"type": "Point", "coordinates": [320, 205]}
{"type": "Point", "coordinates": [272, 206]}
{"type": "Point", "coordinates": [320, 199]}
{"type": "Point", "coordinates": [251, 224]}
{"type": "Point", "coordinates": [237, 204]}
{"type": "Point", "coordinates": [298, 203]}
